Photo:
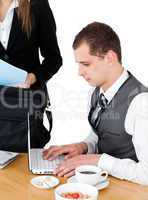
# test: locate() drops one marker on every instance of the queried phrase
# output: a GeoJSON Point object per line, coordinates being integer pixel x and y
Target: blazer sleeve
{"type": "Point", "coordinates": [48, 44]}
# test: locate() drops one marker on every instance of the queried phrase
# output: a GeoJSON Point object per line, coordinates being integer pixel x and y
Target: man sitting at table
{"type": "Point", "coordinates": [118, 112]}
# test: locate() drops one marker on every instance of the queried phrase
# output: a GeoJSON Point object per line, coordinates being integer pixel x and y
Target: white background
{"type": "Point", "coordinates": [68, 92]}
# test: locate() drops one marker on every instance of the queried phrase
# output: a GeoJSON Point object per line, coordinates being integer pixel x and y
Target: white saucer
{"type": "Point", "coordinates": [99, 186]}
{"type": "Point", "coordinates": [44, 182]}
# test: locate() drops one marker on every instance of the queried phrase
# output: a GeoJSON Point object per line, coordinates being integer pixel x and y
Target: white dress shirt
{"type": "Point", "coordinates": [5, 25]}
{"type": "Point", "coordinates": [136, 124]}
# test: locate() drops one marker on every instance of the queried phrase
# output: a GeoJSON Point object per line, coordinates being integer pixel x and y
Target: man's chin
{"type": "Point", "coordinates": [91, 83]}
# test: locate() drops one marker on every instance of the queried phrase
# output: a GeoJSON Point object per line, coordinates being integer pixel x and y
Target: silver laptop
{"type": "Point", "coordinates": [37, 165]}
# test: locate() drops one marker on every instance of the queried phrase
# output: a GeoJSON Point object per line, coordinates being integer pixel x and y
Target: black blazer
{"type": "Point", "coordinates": [24, 53]}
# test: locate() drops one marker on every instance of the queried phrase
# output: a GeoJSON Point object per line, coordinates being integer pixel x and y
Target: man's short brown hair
{"type": "Point", "coordinates": [100, 37]}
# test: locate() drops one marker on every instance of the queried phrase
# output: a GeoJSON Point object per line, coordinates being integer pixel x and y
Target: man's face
{"type": "Point", "coordinates": [93, 69]}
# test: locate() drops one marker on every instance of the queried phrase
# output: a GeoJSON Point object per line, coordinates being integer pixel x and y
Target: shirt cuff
{"type": "Point", "coordinates": [89, 147]}
{"type": "Point", "coordinates": [106, 162]}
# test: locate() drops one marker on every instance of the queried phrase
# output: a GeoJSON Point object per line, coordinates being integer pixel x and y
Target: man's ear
{"type": "Point", "coordinates": [111, 57]}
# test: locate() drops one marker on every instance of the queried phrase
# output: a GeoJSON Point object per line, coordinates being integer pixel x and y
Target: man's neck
{"type": "Point", "coordinates": [113, 77]}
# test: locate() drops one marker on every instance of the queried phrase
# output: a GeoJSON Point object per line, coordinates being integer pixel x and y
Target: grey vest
{"type": "Point", "coordinates": [112, 136]}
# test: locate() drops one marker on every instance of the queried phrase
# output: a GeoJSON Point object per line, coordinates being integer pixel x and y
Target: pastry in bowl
{"type": "Point", "coordinates": [76, 191]}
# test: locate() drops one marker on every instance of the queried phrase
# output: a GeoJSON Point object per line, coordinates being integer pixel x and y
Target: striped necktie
{"type": "Point", "coordinates": [95, 113]}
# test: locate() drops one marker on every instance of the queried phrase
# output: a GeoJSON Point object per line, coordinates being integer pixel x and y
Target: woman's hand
{"type": "Point", "coordinates": [30, 80]}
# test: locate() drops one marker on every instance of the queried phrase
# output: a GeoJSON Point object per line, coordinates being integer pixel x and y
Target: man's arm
{"type": "Point", "coordinates": [136, 124]}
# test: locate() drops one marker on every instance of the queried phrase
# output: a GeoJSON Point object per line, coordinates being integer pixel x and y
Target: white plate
{"type": "Point", "coordinates": [99, 186]}
{"type": "Point", "coordinates": [45, 182]}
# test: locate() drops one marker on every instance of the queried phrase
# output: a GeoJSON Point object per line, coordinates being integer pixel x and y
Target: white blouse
{"type": "Point", "coordinates": [5, 25]}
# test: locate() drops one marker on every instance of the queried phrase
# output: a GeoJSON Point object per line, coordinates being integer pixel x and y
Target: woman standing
{"type": "Point", "coordinates": [25, 28]}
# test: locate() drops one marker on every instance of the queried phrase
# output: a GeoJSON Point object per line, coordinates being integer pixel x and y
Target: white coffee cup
{"type": "Point", "coordinates": [90, 174]}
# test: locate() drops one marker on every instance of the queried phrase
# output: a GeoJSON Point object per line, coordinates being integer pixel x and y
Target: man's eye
{"type": "Point", "coordinates": [86, 64]}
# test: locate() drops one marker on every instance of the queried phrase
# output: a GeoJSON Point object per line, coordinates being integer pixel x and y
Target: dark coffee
{"type": "Point", "coordinates": [87, 172]}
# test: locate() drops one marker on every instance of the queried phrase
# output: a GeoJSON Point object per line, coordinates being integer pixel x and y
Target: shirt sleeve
{"type": "Point", "coordinates": [91, 142]}
{"type": "Point", "coordinates": [48, 44]}
{"type": "Point", "coordinates": [136, 124]}
{"type": "Point", "coordinates": [92, 138]}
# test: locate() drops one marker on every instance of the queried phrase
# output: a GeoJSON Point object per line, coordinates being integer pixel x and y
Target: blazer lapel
{"type": "Point", "coordinates": [15, 29]}
{"type": "Point", "coordinates": [2, 49]}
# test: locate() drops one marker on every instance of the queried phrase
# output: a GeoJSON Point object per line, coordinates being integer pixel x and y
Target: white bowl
{"type": "Point", "coordinates": [76, 187]}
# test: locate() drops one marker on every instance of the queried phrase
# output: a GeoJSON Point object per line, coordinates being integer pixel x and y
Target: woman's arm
{"type": "Point", "coordinates": [47, 43]}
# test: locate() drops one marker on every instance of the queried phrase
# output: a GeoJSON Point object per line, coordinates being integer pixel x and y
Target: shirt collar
{"type": "Point", "coordinates": [110, 93]}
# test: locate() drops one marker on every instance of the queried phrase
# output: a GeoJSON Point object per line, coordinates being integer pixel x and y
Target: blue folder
{"type": "Point", "coordinates": [11, 75]}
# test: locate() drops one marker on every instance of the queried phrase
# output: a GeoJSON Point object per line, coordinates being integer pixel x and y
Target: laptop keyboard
{"type": "Point", "coordinates": [39, 164]}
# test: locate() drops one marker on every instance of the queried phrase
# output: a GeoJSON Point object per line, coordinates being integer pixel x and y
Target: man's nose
{"type": "Point", "coordinates": [81, 71]}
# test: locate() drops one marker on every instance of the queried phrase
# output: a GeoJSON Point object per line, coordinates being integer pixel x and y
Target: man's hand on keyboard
{"type": "Point", "coordinates": [69, 151]}
{"type": "Point", "coordinates": [67, 167]}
